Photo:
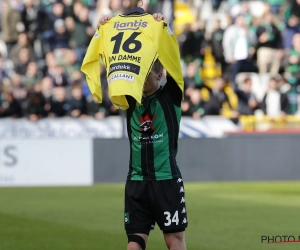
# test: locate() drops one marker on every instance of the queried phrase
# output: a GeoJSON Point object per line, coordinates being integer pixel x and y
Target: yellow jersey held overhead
{"type": "Point", "coordinates": [129, 45]}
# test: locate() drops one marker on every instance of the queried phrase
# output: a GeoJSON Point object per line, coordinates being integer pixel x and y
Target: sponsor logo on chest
{"type": "Point", "coordinates": [124, 67]}
{"type": "Point", "coordinates": [134, 25]}
{"type": "Point", "coordinates": [121, 76]}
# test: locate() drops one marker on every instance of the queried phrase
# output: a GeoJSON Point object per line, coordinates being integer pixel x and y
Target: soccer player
{"type": "Point", "coordinates": [154, 191]}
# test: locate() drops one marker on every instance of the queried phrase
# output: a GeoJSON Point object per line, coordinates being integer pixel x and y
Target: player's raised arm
{"type": "Point", "coordinates": [169, 56]}
{"type": "Point", "coordinates": [174, 90]}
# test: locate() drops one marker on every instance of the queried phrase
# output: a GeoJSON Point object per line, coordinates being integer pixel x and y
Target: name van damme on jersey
{"type": "Point", "coordinates": [125, 57]}
{"type": "Point", "coordinates": [130, 25]}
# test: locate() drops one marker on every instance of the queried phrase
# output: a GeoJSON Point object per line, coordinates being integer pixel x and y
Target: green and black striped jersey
{"type": "Point", "coordinates": [153, 129]}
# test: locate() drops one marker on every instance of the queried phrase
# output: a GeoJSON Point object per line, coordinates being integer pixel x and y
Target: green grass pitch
{"type": "Point", "coordinates": [222, 216]}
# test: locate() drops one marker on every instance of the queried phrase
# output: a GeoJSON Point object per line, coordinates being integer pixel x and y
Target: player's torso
{"type": "Point", "coordinates": [154, 135]}
{"type": "Point", "coordinates": [148, 124]}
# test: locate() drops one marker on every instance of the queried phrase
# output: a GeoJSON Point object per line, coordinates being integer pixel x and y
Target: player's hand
{"type": "Point", "coordinates": [159, 17]}
{"type": "Point", "coordinates": [104, 19]}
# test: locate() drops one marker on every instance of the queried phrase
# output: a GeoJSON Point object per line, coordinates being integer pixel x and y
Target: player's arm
{"type": "Point", "coordinates": [173, 89]}
{"type": "Point", "coordinates": [169, 56]}
{"type": "Point", "coordinates": [156, 16]}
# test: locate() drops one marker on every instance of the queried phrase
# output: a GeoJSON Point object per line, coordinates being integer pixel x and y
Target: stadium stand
{"type": "Point", "coordinates": [43, 43]}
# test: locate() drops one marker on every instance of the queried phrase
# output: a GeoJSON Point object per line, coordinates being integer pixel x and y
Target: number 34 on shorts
{"type": "Point", "coordinates": [174, 218]}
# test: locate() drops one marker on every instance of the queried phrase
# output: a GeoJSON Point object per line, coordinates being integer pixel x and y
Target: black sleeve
{"type": "Point", "coordinates": [131, 101]}
{"type": "Point", "coordinates": [173, 90]}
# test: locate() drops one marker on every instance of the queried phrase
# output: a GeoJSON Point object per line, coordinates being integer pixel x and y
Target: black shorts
{"type": "Point", "coordinates": [147, 202]}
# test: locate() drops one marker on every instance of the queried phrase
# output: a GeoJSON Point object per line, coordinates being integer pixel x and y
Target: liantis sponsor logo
{"type": "Point", "coordinates": [124, 67]}
{"type": "Point", "coordinates": [134, 25]}
{"type": "Point", "coordinates": [276, 239]}
{"type": "Point", "coordinates": [121, 76]}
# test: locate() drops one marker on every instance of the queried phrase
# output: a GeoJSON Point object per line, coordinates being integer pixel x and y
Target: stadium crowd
{"type": "Point", "coordinates": [43, 43]}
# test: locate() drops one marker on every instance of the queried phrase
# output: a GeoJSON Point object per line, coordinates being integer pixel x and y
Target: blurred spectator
{"type": "Point", "coordinates": [59, 105]}
{"type": "Point", "coordinates": [247, 102]}
{"type": "Point", "coordinates": [292, 28]}
{"type": "Point", "coordinates": [216, 4]}
{"type": "Point", "coordinates": [45, 30]}
{"type": "Point", "coordinates": [32, 76]}
{"type": "Point", "coordinates": [116, 7]}
{"type": "Point", "coordinates": [18, 89]}
{"type": "Point", "coordinates": [216, 45]}
{"type": "Point", "coordinates": [22, 42]}
{"type": "Point", "coordinates": [70, 26]}
{"type": "Point", "coordinates": [16, 4]}
{"type": "Point", "coordinates": [95, 109]}
{"type": "Point", "coordinates": [3, 72]}
{"type": "Point", "coordinates": [245, 11]}
{"type": "Point", "coordinates": [23, 61]}
{"type": "Point", "coordinates": [68, 7]}
{"type": "Point", "coordinates": [60, 39]}
{"type": "Point", "coordinates": [46, 90]}
{"type": "Point", "coordinates": [290, 91]}
{"type": "Point", "coordinates": [194, 106]}
{"type": "Point", "coordinates": [183, 36]}
{"type": "Point", "coordinates": [47, 4]}
{"type": "Point", "coordinates": [50, 60]}
{"type": "Point", "coordinates": [293, 60]}
{"type": "Point", "coordinates": [83, 32]}
{"type": "Point", "coordinates": [70, 63]}
{"type": "Point", "coordinates": [11, 24]}
{"type": "Point", "coordinates": [242, 9]}
{"type": "Point", "coordinates": [217, 98]}
{"type": "Point", "coordinates": [269, 53]}
{"type": "Point", "coordinates": [58, 12]}
{"type": "Point", "coordinates": [274, 104]}
{"type": "Point", "coordinates": [193, 48]}
{"type": "Point", "coordinates": [275, 5]}
{"type": "Point", "coordinates": [294, 8]}
{"type": "Point", "coordinates": [58, 76]}
{"type": "Point", "coordinates": [194, 44]}
{"type": "Point", "coordinates": [35, 106]}
{"type": "Point", "coordinates": [238, 45]}
{"type": "Point", "coordinates": [48, 29]}
{"type": "Point", "coordinates": [189, 80]}
{"type": "Point", "coordinates": [284, 86]}
{"type": "Point", "coordinates": [10, 107]}
{"type": "Point", "coordinates": [255, 22]}
{"type": "Point", "coordinates": [77, 104]}
{"type": "Point", "coordinates": [29, 18]}
{"type": "Point", "coordinates": [54, 71]}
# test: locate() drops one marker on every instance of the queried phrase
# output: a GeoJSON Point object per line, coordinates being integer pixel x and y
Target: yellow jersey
{"type": "Point", "coordinates": [129, 45]}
